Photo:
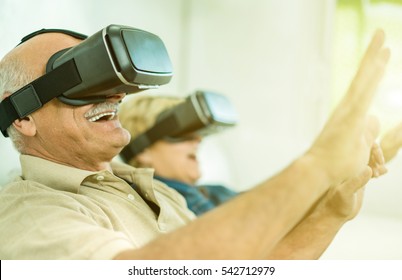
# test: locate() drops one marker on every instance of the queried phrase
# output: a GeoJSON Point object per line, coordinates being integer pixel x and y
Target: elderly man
{"type": "Point", "coordinates": [72, 202]}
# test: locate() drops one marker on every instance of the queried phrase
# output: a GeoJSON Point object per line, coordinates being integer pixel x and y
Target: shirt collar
{"type": "Point", "coordinates": [67, 178]}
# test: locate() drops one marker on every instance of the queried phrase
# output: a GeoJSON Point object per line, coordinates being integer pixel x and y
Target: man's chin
{"type": "Point", "coordinates": [122, 138]}
{"type": "Point", "coordinates": [126, 136]}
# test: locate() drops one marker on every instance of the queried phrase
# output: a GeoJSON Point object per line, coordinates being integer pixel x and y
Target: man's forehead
{"type": "Point", "coordinates": [35, 52]}
{"type": "Point", "coordinates": [49, 43]}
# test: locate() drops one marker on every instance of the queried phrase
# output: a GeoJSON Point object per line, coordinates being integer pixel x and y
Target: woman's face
{"type": "Point", "coordinates": [174, 160]}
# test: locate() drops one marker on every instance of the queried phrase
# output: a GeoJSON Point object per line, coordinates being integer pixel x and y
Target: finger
{"type": "Point", "coordinates": [372, 79]}
{"type": "Point", "coordinates": [378, 170]}
{"type": "Point", "coordinates": [372, 130]}
{"type": "Point", "coordinates": [377, 161]}
{"type": "Point", "coordinates": [377, 155]}
{"type": "Point", "coordinates": [370, 72]}
{"type": "Point", "coordinates": [376, 43]}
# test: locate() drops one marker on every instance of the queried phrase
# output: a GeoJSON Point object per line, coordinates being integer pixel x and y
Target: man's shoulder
{"type": "Point", "coordinates": [19, 186]}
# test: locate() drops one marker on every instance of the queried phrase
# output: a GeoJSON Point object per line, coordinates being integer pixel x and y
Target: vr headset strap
{"type": "Point", "coordinates": [34, 95]}
{"type": "Point", "coordinates": [53, 30]}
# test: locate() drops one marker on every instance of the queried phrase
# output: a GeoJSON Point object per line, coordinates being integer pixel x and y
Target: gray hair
{"type": "Point", "coordinates": [13, 76]}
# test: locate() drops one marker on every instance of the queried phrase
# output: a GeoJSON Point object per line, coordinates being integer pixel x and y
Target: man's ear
{"type": "Point", "coordinates": [25, 126]}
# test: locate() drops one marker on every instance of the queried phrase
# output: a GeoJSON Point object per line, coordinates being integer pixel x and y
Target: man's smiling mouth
{"type": "Point", "coordinates": [106, 116]}
{"type": "Point", "coordinates": [102, 112]}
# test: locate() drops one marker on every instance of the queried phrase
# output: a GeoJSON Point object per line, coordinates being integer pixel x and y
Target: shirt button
{"type": "Point", "coordinates": [131, 197]}
{"type": "Point", "coordinates": [162, 227]}
{"type": "Point", "coordinates": [100, 178]}
{"type": "Point", "coordinates": [146, 195]}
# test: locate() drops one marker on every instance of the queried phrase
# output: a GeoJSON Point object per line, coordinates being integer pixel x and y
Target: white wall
{"type": "Point", "coordinates": [272, 58]}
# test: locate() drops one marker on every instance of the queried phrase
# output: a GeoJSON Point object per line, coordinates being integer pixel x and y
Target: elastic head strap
{"type": "Point", "coordinates": [40, 91]}
{"type": "Point", "coordinates": [52, 30]}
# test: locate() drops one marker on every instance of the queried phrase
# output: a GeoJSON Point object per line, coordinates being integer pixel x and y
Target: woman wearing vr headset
{"type": "Point", "coordinates": [173, 158]}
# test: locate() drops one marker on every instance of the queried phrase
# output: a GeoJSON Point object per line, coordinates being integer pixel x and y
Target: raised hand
{"type": "Point", "coordinates": [343, 147]}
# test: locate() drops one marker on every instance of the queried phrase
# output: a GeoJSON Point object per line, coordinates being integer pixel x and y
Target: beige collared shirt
{"type": "Point", "coordinates": [58, 212]}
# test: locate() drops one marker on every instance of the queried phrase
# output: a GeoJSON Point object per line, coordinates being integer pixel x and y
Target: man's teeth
{"type": "Point", "coordinates": [109, 115]}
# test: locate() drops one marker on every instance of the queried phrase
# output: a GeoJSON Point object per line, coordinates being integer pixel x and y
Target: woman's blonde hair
{"type": "Point", "coordinates": [138, 113]}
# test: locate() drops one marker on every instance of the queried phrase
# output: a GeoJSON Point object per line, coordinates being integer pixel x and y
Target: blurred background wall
{"type": "Point", "coordinates": [284, 64]}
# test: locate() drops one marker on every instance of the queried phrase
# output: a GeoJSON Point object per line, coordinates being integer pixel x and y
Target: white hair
{"type": "Point", "coordinates": [13, 76]}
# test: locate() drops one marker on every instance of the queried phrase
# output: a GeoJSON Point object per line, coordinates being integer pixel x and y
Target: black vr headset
{"type": "Point", "coordinates": [202, 114]}
{"type": "Point", "coordinates": [114, 60]}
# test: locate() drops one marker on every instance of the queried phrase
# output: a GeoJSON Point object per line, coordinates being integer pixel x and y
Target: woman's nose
{"type": "Point", "coordinates": [197, 138]}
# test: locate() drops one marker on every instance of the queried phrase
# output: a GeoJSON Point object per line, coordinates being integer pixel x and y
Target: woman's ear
{"type": "Point", "coordinates": [25, 126]}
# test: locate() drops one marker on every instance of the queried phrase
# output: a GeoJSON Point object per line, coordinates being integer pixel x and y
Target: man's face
{"type": "Point", "coordinates": [86, 137]}
{"type": "Point", "coordinates": [81, 136]}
